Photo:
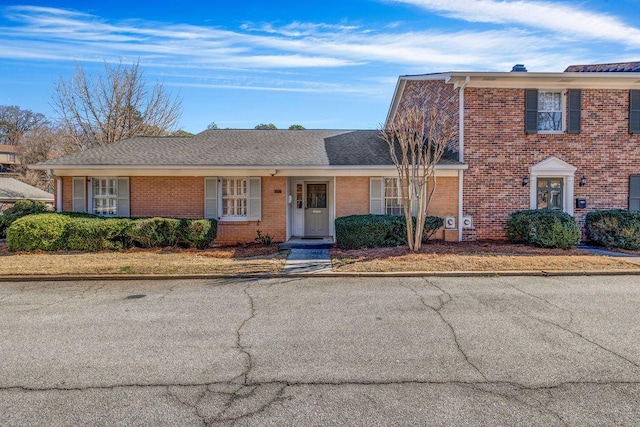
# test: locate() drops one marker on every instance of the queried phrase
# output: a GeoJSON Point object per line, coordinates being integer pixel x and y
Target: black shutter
{"type": "Point", "coordinates": [575, 109]}
{"type": "Point", "coordinates": [634, 111]}
{"type": "Point", "coordinates": [531, 110]}
{"type": "Point", "coordinates": [634, 193]}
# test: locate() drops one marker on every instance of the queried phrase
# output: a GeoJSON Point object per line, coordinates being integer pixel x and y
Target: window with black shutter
{"type": "Point", "coordinates": [634, 111]}
{"type": "Point", "coordinates": [634, 193]}
{"type": "Point", "coordinates": [531, 110]}
{"type": "Point", "coordinates": [575, 109]}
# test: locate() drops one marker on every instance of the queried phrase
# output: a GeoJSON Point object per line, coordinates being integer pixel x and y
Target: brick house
{"type": "Point", "coordinates": [285, 183]}
{"type": "Point", "coordinates": [567, 140]}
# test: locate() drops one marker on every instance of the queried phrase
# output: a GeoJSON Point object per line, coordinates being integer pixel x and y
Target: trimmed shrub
{"type": "Point", "coordinates": [431, 225]}
{"type": "Point", "coordinates": [614, 228]}
{"type": "Point", "coordinates": [545, 228]}
{"type": "Point", "coordinates": [377, 231]}
{"type": "Point", "coordinates": [97, 234]}
{"type": "Point", "coordinates": [199, 233]}
{"type": "Point", "coordinates": [37, 232]}
{"type": "Point", "coordinates": [18, 210]}
{"type": "Point", "coordinates": [91, 233]}
{"type": "Point", "coordinates": [370, 231]}
{"type": "Point", "coordinates": [156, 232]}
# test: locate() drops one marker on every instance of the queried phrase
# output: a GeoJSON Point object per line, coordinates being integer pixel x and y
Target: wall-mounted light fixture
{"type": "Point", "coordinates": [525, 180]}
{"type": "Point", "coordinates": [583, 181]}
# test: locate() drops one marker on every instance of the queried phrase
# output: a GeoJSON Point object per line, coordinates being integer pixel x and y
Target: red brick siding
{"type": "Point", "coordinates": [499, 154]}
{"type": "Point", "coordinates": [183, 197]}
{"type": "Point", "coordinates": [67, 194]}
{"type": "Point", "coordinates": [433, 93]}
{"type": "Point", "coordinates": [274, 214]}
{"type": "Point", "coordinates": [166, 196]}
{"type": "Point", "coordinates": [352, 195]}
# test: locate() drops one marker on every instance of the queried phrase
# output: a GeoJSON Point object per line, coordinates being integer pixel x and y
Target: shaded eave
{"type": "Point", "coordinates": [522, 80]}
{"type": "Point", "coordinates": [238, 170]}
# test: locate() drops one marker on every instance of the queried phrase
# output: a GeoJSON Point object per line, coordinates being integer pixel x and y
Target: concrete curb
{"type": "Point", "coordinates": [531, 273]}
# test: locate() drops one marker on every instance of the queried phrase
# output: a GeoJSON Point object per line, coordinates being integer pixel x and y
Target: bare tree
{"type": "Point", "coordinates": [115, 105]}
{"type": "Point", "coordinates": [15, 122]}
{"type": "Point", "coordinates": [38, 145]}
{"type": "Point", "coordinates": [417, 137]}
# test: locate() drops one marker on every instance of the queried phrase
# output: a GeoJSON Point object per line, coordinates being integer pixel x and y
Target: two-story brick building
{"type": "Point", "coordinates": [567, 140]}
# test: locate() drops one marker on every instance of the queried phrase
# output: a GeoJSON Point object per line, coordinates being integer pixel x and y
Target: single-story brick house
{"type": "Point", "coordinates": [567, 140]}
{"type": "Point", "coordinates": [284, 183]}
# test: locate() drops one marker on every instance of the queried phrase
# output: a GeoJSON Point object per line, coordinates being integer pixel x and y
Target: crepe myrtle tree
{"type": "Point", "coordinates": [417, 137]}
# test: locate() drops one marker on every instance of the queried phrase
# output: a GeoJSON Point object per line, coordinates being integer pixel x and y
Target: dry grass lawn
{"type": "Point", "coordinates": [476, 256]}
{"type": "Point", "coordinates": [224, 260]}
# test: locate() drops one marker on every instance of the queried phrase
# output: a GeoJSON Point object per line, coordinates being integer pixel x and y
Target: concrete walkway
{"type": "Point", "coordinates": [308, 261]}
{"type": "Point", "coordinates": [634, 259]}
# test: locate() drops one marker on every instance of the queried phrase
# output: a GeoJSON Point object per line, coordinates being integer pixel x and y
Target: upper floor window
{"type": "Point", "coordinates": [550, 111]}
{"type": "Point", "coordinates": [553, 111]}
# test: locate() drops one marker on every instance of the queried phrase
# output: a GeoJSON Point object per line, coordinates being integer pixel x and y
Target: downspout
{"type": "Point", "coordinates": [461, 155]}
{"type": "Point", "coordinates": [58, 190]}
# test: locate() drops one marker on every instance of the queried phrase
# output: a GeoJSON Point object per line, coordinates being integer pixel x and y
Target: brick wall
{"type": "Point", "coordinates": [499, 153]}
{"type": "Point", "coordinates": [167, 196]}
{"type": "Point", "coordinates": [183, 197]}
{"type": "Point", "coordinates": [352, 198]}
{"type": "Point", "coordinates": [274, 213]}
{"type": "Point", "coordinates": [352, 195]}
{"type": "Point", "coordinates": [433, 93]}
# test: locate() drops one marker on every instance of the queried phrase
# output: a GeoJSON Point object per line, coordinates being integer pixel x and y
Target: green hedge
{"type": "Point", "coordinates": [90, 233]}
{"type": "Point", "coordinates": [18, 210]}
{"type": "Point", "coordinates": [545, 228]}
{"type": "Point", "coordinates": [614, 228]}
{"type": "Point", "coordinates": [37, 232]}
{"type": "Point", "coordinates": [376, 231]}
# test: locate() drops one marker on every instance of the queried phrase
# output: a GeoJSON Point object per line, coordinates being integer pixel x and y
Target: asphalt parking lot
{"type": "Point", "coordinates": [322, 351]}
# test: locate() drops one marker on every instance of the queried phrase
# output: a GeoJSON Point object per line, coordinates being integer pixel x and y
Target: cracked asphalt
{"type": "Point", "coordinates": [322, 351]}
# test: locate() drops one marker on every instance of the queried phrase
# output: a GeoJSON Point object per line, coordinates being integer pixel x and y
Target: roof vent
{"type": "Point", "coordinates": [519, 68]}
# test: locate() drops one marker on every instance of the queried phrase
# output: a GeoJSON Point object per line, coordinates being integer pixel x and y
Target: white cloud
{"type": "Point", "coordinates": [559, 17]}
{"type": "Point", "coordinates": [58, 34]}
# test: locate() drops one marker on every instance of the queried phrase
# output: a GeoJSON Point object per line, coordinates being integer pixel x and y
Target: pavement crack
{"type": "Point", "coordinates": [444, 299]}
{"type": "Point", "coordinates": [241, 347]}
{"type": "Point", "coordinates": [193, 406]}
{"type": "Point", "coordinates": [579, 335]}
{"type": "Point", "coordinates": [564, 310]}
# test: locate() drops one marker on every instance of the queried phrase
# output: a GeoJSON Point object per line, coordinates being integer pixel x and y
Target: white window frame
{"type": "Point", "coordinates": [214, 199]}
{"type": "Point", "coordinates": [234, 197]}
{"type": "Point", "coordinates": [386, 199]}
{"type": "Point", "coordinates": [562, 111]}
{"type": "Point", "coordinates": [95, 196]}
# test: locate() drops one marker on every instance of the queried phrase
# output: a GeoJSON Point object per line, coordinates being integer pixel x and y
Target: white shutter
{"type": "Point", "coordinates": [254, 199]}
{"type": "Point", "coordinates": [376, 196]}
{"type": "Point", "coordinates": [211, 198]}
{"type": "Point", "coordinates": [123, 197]}
{"type": "Point", "coordinates": [79, 195]}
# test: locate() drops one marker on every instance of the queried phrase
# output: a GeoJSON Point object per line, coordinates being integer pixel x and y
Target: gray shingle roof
{"type": "Point", "coordinates": [619, 67]}
{"type": "Point", "coordinates": [241, 148]}
{"type": "Point", "coordinates": [11, 189]}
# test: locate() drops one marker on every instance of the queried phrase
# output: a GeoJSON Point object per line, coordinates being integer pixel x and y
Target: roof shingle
{"type": "Point", "coordinates": [239, 148]}
{"type": "Point", "coordinates": [619, 67]}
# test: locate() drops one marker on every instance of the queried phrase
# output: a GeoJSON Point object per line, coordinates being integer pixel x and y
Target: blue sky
{"type": "Point", "coordinates": [322, 64]}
